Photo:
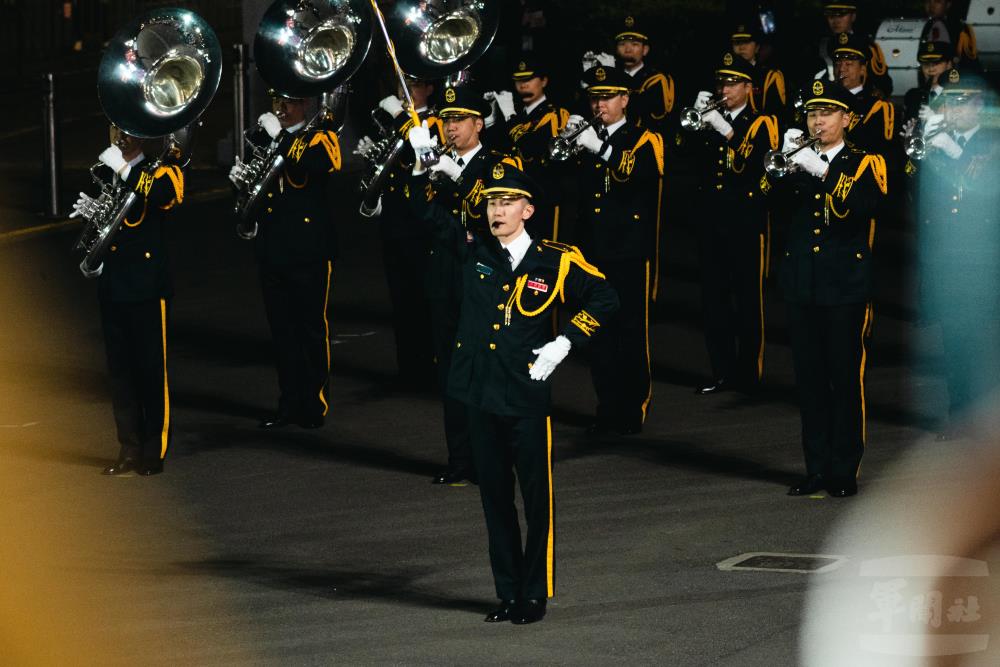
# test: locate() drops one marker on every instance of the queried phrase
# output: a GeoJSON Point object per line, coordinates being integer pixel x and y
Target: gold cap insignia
{"type": "Point", "coordinates": [498, 172]}
{"type": "Point", "coordinates": [930, 47]}
{"type": "Point", "coordinates": [521, 66]}
{"type": "Point", "coordinates": [954, 76]}
{"type": "Point", "coordinates": [449, 95]}
{"type": "Point", "coordinates": [600, 74]}
{"type": "Point", "coordinates": [842, 38]}
{"type": "Point", "coordinates": [629, 21]}
{"type": "Point", "coordinates": [817, 87]}
{"type": "Point", "coordinates": [727, 59]}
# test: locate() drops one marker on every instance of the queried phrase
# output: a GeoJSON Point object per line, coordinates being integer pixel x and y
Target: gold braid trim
{"type": "Point", "coordinates": [563, 118]}
{"type": "Point", "coordinates": [552, 121]}
{"type": "Point", "coordinates": [176, 177]}
{"type": "Point", "coordinates": [888, 117]}
{"type": "Point", "coordinates": [746, 146]}
{"type": "Point", "coordinates": [877, 164]}
{"type": "Point", "coordinates": [655, 141]}
{"type": "Point", "coordinates": [585, 322]}
{"type": "Point", "coordinates": [967, 44]}
{"type": "Point", "coordinates": [830, 207]}
{"type": "Point", "coordinates": [878, 60]}
{"type": "Point", "coordinates": [569, 257]}
{"type": "Point", "coordinates": [775, 78]}
{"type": "Point", "coordinates": [332, 146]}
{"type": "Point", "coordinates": [666, 90]}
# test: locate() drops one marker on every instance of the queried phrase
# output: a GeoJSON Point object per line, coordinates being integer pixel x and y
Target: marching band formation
{"type": "Point", "coordinates": [536, 228]}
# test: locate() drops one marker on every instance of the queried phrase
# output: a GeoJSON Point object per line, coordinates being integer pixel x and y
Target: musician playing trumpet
{"type": "Point", "coordinates": [825, 273]}
{"type": "Point", "coordinates": [621, 181]}
{"type": "Point", "coordinates": [732, 225]}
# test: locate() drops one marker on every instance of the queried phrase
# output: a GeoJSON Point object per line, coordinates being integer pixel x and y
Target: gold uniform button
{"type": "Point", "coordinates": [636, 216]}
{"type": "Point", "coordinates": [720, 149]}
{"type": "Point", "coordinates": [530, 365]}
{"type": "Point", "coordinates": [269, 209]}
{"type": "Point", "coordinates": [270, 195]}
{"type": "Point", "coordinates": [719, 186]}
{"type": "Point", "coordinates": [954, 210]}
{"type": "Point", "coordinates": [496, 327]}
{"type": "Point", "coordinates": [307, 220]}
{"type": "Point", "coordinates": [817, 196]}
{"type": "Point", "coordinates": [499, 306]}
{"type": "Point", "coordinates": [750, 194]}
{"type": "Point", "coordinates": [458, 344]}
{"type": "Point", "coordinates": [482, 276]}
{"type": "Point", "coordinates": [815, 248]}
{"type": "Point", "coordinates": [816, 232]}
{"type": "Point", "coordinates": [114, 248]}
{"type": "Point", "coordinates": [718, 173]}
{"type": "Point", "coordinates": [147, 255]}
{"type": "Point", "coordinates": [859, 256]}
{"type": "Point", "coordinates": [720, 161]}
{"type": "Point", "coordinates": [454, 211]}
{"type": "Point", "coordinates": [597, 195]}
{"type": "Point", "coordinates": [597, 210]}
{"type": "Point", "coordinates": [506, 288]}
{"type": "Point", "coordinates": [815, 214]}
{"type": "Point", "coordinates": [493, 346]}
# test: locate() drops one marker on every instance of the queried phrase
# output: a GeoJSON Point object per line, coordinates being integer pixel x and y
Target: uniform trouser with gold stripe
{"type": "Point", "coordinates": [732, 294]}
{"type": "Point", "coordinates": [619, 353]}
{"type": "Point", "coordinates": [829, 356]}
{"type": "Point", "coordinates": [501, 446]}
{"type": "Point", "coordinates": [296, 299]}
{"type": "Point", "coordinates": [135, 342]}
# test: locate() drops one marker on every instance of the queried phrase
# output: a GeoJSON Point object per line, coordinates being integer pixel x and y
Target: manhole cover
{"type": "Point", "coordinates": [760, 561]}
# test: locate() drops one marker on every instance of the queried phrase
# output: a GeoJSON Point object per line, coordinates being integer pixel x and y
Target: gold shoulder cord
{"type": "Point", "coordinates": [568, 258]}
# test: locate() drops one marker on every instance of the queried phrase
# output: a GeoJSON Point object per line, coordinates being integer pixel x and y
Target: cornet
{"type": "Point", "coordinates": [915, 141]}
{"type": "Point", "coordinates": [777, 163]}
{"type": "Point", "coordinates": [693, 119]}
{"type": "Point", "coordinates": [564, 146]}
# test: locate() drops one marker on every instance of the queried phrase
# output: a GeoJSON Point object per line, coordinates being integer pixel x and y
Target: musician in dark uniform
{"type": "Point", "coordinates": [528, 129]}
{"type": "Point", "coordinates": [841, 18]}
{"type": "Point", "coordinates": [769, 95]}
{"type": "Point", "coordinates": [959, 237]}
{"type": "Point", "coordinates": [945, 26]}
{"type": "Point", "coordinates": [935, 60]}
{"type": "Point", "coordinates": [405, 240]}
{"type": "Point", "coordinates": [504, 355]}
{"type": "Point", "coordinates": [456, 191]}
{"type": "Point", "coordinates": [134, 289]}
{"type": "Point", "coordinates": [295, 246]}
{"type": "Point", "coordinates": [732, 229]}
{"type": "Point", "coordinates": [826, 274]}
{"type": "Point", "coordinates": [652, 90]}
{"type": "Point", "coordinates": [620, 172]}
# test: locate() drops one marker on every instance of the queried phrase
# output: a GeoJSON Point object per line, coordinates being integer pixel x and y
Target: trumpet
{"type": "Point", "coordinates": [431, 157]}
{"type": "Point", "coordinates": [564, 146]}
{"type": "Point", "coordinates": [693, 119]}
{"type": "Point", "coordinates": [777, 164]}
{"type": "Point", "coordinates": [915, 143]}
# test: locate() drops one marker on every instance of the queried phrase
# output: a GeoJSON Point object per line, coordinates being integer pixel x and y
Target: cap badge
{"type": "Point", "coordinates": [930, 47]}
{"type": "Point", "coordinates": [449, 95]}
{"type": "Point", "coordinates": [817, 87]}
{"type": "Point", "coordinates": [498, 172]}
{"type": "Point", "coordinates": [629, 22]}
{"type": "Point", "coordinates": [521, 66]}
{"type": "Point", "coordinates": [842, 38]}
{"type": "Point", "coordinates": [600, 74]}
{"type": "Point", "coordinates": [727, 59]}
{"type": "Point", "coordinates": [954, 76]}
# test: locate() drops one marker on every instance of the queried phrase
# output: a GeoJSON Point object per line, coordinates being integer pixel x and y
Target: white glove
{"type": "Point", "coordinates": [549, 356]}
{"type": "Point", "coordinates": [83, 202]}
{"type": "Point", "coordinates": [237, 168]}
{"type": "Point", "coordinates": [391, 105]}
{"type": "Point", "coordinates": [270, 123]}
{"type": "Point", "coordinates": [810, 162]}
{"type": "Point", "coordinates": [589, 140]}
{"type": "Point", "coordinates": [924, 111]}
{"type": "Point", "coordinates": [112, 157]}
{"type": "Point", "coordinates": [793, 139]}
{"type": "Point", "coordinates": [933, 123]}
{"type": "Point", "coordinates": [420, 139]}
{"type": "Point", "coordinates": [701, 102]}
{"type": "Point", "coordinates": [505, 102]}
{"type": "Point", "coordinates": [944, 142]}
{"type": "Point", "coordinates": [715, 120]}
{"type": "Point", "coordinates": [448, 166]}
{"type": "Point", "coordinates": [373, 213]}
{"type": "Point", "coordinates": [575, 121]}
{"type": "Point", "coordinates": [592, 59]}
{"type": "Point", "coordinates": [364, 145]}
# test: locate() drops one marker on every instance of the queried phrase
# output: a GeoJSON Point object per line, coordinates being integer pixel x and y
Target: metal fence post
{"type": "Point", "coordinates": [239, 100]}
{"type": "Point", "coordinates": [52, 158]}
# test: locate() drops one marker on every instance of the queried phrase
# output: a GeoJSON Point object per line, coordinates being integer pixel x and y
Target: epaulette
{"type": "Point", "coordinates": [888, 117]}
{"type": "Point", "coordinates": [556, 245]}
{"type": "Point", "coordinates": [655, 141]}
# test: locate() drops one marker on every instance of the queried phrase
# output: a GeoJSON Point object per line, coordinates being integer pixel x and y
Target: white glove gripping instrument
{"type": "Point", "coordinates": [112, 158]}
{"type": "Point", "coordinates": [234, 173]}
{"type": "Point", "coordinates": [270, 123]}
{"type": "Point", "coordinates": [391, 105]}
{"type": "Point", "coordinates": [714, 119]}
{"type": "Point", "coordinates": [549, 356]}
{"type": "Point", "coordinates": [505, 102]}
{"type": "Point", "coordinates": [364, 145]}
{"type": "Point", "coordinates": [448, 166]}
{"type": "Point", "coordinates": [933, 123]}
{"type": "Point", "coordinates": [589, 140]}
{"type": "Point", "coordinates": [575, 121]}
{"type": "Point", "coordinates": [592, 59]}
{"type": "Point", "coordinates": [701, 102]}
{"type": "Point", "coordinates": [793, 139]}
{"type": "Point", "coordinates": [924, 112]}
{"type": "Point", "coordinates": [82, 206]}
{"type": "Point", "coordinates": [422, 142]}
{"type": "Point", "coordinates": [810, 162]}
{"type": "Point", "coordinates": [944, 142]}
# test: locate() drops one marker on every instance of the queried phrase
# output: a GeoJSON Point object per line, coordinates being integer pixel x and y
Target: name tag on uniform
{"type": "Point", "coordinates": [538, 285]}
{"type": "Point", "coordinates": [482, 268]}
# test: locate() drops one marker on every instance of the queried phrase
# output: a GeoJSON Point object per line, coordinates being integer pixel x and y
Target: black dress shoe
{"type": "Point", "coordinates": [151, 469]}
{"type": "Point", "coordinates": [502, 613]}
{"type": "Point", "coordinates": [120, 468]}
{"type": "Point", "coordinates": [454, 477]}
{"type": "Point", "coordinates": [842, 488]}
{"type": "Point", "coordinates": [274, 421]}
{"type": "Point", "coordinates": [531, 610]}
{"type": "Point", "coordinates": [715, 387]}
{"type": "Point", "coordinates": [807, 485]}
{"type": "Point", "coordinates": [311, 422]}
